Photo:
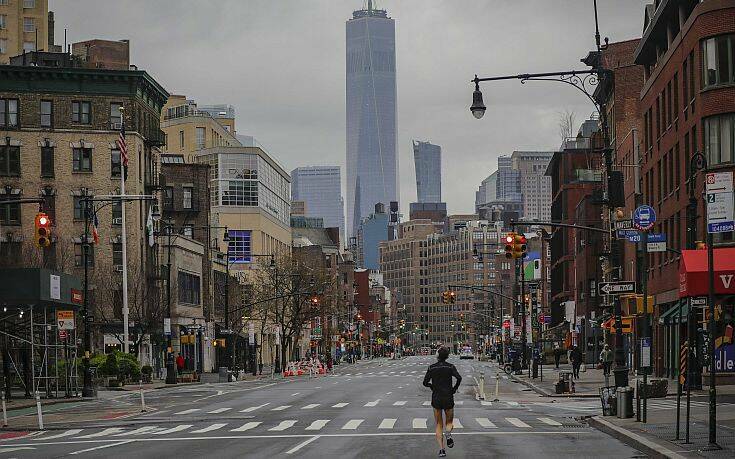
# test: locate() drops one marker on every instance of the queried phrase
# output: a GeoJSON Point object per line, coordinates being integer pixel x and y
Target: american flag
{"type": "Point", "coordinates": [123, 146]}
{"type": "Point", "coordinates": [95, 233]}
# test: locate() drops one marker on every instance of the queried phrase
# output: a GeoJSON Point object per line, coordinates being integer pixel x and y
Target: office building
{"type": "Point", "coordinates": [428, 161]}
{"type": "Point", "coordinates": [372, 162]}
{"type": "Point", "coordinates": [373, 230]}
{"type": "Point", "coordinates": [320, 189]}
{"type": "Point", "coordinates": [535, 186]}
{"type": "Point", "coordinates": [24, 27]}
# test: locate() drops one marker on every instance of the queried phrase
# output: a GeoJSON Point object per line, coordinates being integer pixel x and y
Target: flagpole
{"type": "Point", "coordinates": [123, 172]}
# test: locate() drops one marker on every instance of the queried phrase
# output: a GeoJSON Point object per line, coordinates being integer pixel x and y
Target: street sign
{"type": "Point", "coordinates": [547, 319]}
{"type": "Point", "coordinates": [645, 352]}
{"type": "Point", "coordinates": [167, 326]}
{"type": "Point", "coordinates": [698, 301]}
{"type": "Point", "coordinates": [718, 182]}
{"type": "Point", "coordinates": [656, 247]}
{"type": "Point", "coordinates": [653, 237]}
{"type": "Point", "coordinates": [634, 238]}
{"type": "Point", "coordinates": [644, 217]}
{"type": "Point", "coordinates": [720, 206]}
{"type": "Point", "coordinates": [628, 233]}
{"type": "Point", "coordinates": [616, 288]}
{"type": "Point", "coordinates": [65, 319]}
{"type": "Point", "coordinates": [624, 225]}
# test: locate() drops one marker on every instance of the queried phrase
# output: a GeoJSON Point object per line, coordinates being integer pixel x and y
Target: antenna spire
{"type": "Point", "coordinates": [370, 5]}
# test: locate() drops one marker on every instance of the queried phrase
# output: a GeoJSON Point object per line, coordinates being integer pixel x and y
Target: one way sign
{"type": "Point", "coordinates": [616, 288]}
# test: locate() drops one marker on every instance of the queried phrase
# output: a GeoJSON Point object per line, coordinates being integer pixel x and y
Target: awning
{"type": "Point", "coordinates": [671, 316]}
{"type": "Point", "coordinates": [693, 279]}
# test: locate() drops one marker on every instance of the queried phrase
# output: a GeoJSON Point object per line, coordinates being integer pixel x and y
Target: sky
{"type": "Point", "coordinates": [281, 64]}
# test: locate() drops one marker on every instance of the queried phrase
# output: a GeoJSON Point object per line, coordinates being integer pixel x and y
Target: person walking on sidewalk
{"type": "Point", "coordinates": [180, 364]}
{"type": "Point", "coordinates": [557, 355]}
{"type": "Point", "coordinates": [576, 357]}
{"type": "Point", "coordinates": [439, 379]}
{"type": "Point", "coordinates": [606, 358]}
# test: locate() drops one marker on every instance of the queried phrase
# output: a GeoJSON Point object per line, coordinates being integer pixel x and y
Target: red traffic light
{"type": "Point", "coordinates": [42, 234]}
{"type": "Point", "coordinates": [509, 238]}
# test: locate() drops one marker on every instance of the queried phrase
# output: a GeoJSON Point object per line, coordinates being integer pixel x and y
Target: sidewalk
{"type": "Point", "coordinates": [588, 385]}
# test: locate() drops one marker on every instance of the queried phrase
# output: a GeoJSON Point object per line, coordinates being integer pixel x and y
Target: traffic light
{"type": "Point", "coordinates": [445, 297]}
{"type": "Point", "coordinates": [314, 300]}
{"type": "Point", "coordinates": [452, 296]}
{"type": "Point", "coordinates": [519, 246]}
{"type": "Point", "coordinates": [43, 230]}
{"type": "Point", "coordinates": [509, 242]}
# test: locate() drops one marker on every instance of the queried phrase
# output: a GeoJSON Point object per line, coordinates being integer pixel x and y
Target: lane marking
{"type": "Point", "coordinates": [486, 403]}
{"type": "Point", "coordinates": [281, 408]}
{"type": "Point", "coordinates": [253, 408]}
{"type": "Point", "coordinates": [247, 426]}
{"type": "Point", "coordinates": [486, 423]}
{"type": "Point", "coordinates": [373, 403]}
{"type": "Point", "coordinates": [399, 403]}
{"type": "Point", "coordinates": [193, 410]}
{"type": "Point", "coordinates": [139, 431]}
{"type": "Point", "coordinates": [210, 428]}
{"type": "Point", "coordinates": [295, 394]}
{"type": "Point", "coordinates": [518, 423]}
{"type": "Point", "coordinates": [387, 423]}
{"type": "Point", "coordinates": [419, 423]}
{"type": "Point", "coordinates": [219, 410]}
{"type": "Point", "coordinates": [340, 405]}
{"type": "Point", "coordinates": [427, 403]}
{"type": "Point", "coordinates": [109, 445]}
{"type": "Point", "coordinates": [352, 424]}
{"type": "Point", "coordinates": [512, 403]}
{"type": "Point", "coordinates": [20, 448]}
{"type": "Point", "coordinates": [103, 433]}
{"type": "Point", "coordinates": [549, 421]}
{"type": "Point", "coordinates": [310, 406]}
{"type": "Point", "coordinates": [283, 426]}
{"type": "Point", "coordinates": [457, 424]}
{"type": "Point", "coordinates": [301, 445]}
{"type": "Point", "coordinates": [318, 424]}
{"type": "Point", "coordinates": [59, 435]}
{"type": "Point", "coordinates": [172, 429]}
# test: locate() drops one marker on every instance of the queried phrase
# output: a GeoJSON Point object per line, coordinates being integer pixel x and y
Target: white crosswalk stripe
{"type": "Point", "coordinates": [426, 403]}
{"type": "Point", "coordinates": [283, 425]}
{"type": "Point", "coordinates": [373, 403]}
{"type": "Point", "coordinates": [103, 433]}
{"type": "Point", "coordinates": [253, 408]}
{"type": "Point", "coordinates": [172, 430]}
{"type": "Point", "coordinates": [486, 423]}
{"type": "Point", "coordinates": [247, 426]}
{"type": "Point", "coordinates": [419, 423]}
{"type": "Point", "coordinates": [139, 431]}
{"type": "Point", "coordinates": [399, 403]}
{"type": "Point", "coordinates": [67, 433]}
{"type": "Point", "coordinates": [457, 424]}
{"type": "Point", "coordinates": [387, 423]}
{"type": "Point", "coordinates": [459, 402]}
{"type": "Point", "coordinates": [486, 403]}
{"type": "Point", "coordinates": [192, 410]}
{"type": "Point", "coordinates": [219, 410]}
{"type": "Point", "coordinates": [518, 423]}
{"type": "Point", "coordinates": [281, 408]}
{"type": "Point", "coordinates": [549, 421]}
{"type": "Point", "coordinates": [512, 403]}
{"type": "Point", "coordinates": [209, 428]}
{"type": "Point", "coordinates": [317, 425]}
{"type": "Point", "coordinates": [352, 424]}
{"type": "Point", "coordinates": [340, 405]}
{"type": "Point", "coordinates": [310, 406]}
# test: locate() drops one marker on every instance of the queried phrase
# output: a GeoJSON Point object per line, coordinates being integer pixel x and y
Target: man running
{"type": "Point", "coordinates": [439, 379]}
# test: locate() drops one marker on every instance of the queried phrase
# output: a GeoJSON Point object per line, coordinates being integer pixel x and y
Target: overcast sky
{"type": "Point", "coordinates": [281, 63]}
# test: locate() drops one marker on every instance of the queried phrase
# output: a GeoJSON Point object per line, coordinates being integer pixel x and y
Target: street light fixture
{"type": "Point", "coordinates": [478, 106]}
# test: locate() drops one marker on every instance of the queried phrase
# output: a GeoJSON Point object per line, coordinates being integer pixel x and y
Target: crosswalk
{"type": "Point", "coordinates": [315, 425]}
{"type": "Point", "coordinates": [656, 404]}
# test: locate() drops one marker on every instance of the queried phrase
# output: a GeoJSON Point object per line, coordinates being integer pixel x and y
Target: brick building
{"type": "Point", "coordinates": [688, 106]}
{"type": "Point", "coordinates": [58, 133]}
{"type": "Point", "coordinates": [25, 26]}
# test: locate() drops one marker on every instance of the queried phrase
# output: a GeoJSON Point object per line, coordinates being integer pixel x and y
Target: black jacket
{"type": "Point", "coordinates": [439, 378]}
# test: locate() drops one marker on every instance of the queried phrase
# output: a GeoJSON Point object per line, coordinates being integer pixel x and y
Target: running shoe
{"type": "Point", "coordinates": [450, 440]}
{"type": "Point", "coordinates": [442, 453]}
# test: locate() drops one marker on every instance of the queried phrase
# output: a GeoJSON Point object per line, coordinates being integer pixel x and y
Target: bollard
{"type": "Point", "coordinates": [482, 385]}
{"type": "Point", "coordinates": [142, 397]}
{"type": "Point", "coordinates": [40, 413]}
{"type": "Point", "coordinates": [5, 412]}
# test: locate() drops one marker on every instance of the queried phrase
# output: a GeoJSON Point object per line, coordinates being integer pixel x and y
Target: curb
{"type": "Point", "coordinates": [546, 393]}
{"type": "Point", "coordinates": [48, 403]}
{"type": "Point", "coordinates": [651, 448]}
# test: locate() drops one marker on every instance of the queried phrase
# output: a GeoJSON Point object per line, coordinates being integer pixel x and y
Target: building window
{"type": "Point", "coordinates": [115, 116]}
{"type": "Point", "coordinates": [81, 112]}
{"type": "Point", "coordinates": [188, 191]}
{"type": "Point", "coordinates": [115, 163]}
{"type": "Point", "coordinates": [719, 57]}
{"type": "Point", "coordinates": [201, 137]}
{"type": "Point", "coordinates": [188, 230]}
{"type": "Point", "coordinates": [3, 20]}
{"type": "Point", "coordinates": [82, 159]}
{"type": "Point", "coordinates": [78, 208]}
{"type": "Point", "coordinates": [29, 3]}
{"type": "Point", "coordinates": [117, 254]}
{"type": "Point", "coordinates": [9, 113]}
{"type": "Point", "coordinates": [189, 288]}
{"type": "Point", "coordinates": [117, 214]}
{"type": "Point", "coordinates": [29, 25]}
{"type": "Point", "coordinates": [79, 254]}
{"type": "Point", "coordinates": [9, 161]}
{"type": "Point", "coordinates": [47, 161]}
{"type": "Point", "coordinates": [3, 41]}
{"type": "Point", "coordinates": [46, 111]}
{"type": "Point", "coordinates": [168, 197]}
{"type": "Point", "coordinates": [181, 140]}
{"type": "Point", "coordinates": [10, 214]}
{"type": "Point", "coordinates": [238, 246]}
{"type": "Point", "coordinates": [719, 138]}
{"type": "Point", "coordinates": [29, 46]}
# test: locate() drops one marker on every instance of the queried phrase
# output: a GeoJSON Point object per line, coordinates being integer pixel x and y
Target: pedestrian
{"type": "Point", "coordinates": [606, 358]}
{"type": "Point", "coordinates": [576, 357]}
{"type": "Point", "coordinates": [439, 379]}
{"type": "Point", "coordinates": [557, 355]}
{"type": "Point", "coordinates": [180, 364]}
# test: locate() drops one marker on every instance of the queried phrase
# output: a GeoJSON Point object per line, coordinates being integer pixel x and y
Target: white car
{"type": "Point", "coordinates": [466, 353]}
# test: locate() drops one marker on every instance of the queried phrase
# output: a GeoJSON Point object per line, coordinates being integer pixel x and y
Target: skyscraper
{"type": "Point", "coordinates": [535, 185]}
{"type": "Point", "coordinates": [372, 163]}
{"type": "Point", "coordinates": [320, 188]}
{"type": "Point", "coordinates": [428, 161]}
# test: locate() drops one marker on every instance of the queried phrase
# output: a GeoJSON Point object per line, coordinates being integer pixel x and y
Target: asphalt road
{"type": "Point", "coordinates": [370, 409]}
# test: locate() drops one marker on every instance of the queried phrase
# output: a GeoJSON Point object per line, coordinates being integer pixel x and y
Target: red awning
{"type": "Point", "coordinates": [693, 272]}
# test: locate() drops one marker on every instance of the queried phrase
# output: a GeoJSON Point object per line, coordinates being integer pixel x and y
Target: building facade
{"type": "Point", "coordinates": [320, 188]}
{"type": "Point", "coordinates": [535, 186]}
{"type": "Point", "coordinates": [427, 159]}
{"type": "Point", "coordinates": [373, 229]}
{"type": "Point", "coordinates": [23, 27]}
{"type": "Point", "coordinates": [372, 161]}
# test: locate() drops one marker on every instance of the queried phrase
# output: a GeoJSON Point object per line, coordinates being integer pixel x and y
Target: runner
{"type": "Point", "coordinates": [439, 379]}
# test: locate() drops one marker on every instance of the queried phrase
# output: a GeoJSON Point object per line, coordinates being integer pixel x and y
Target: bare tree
{"type": "Point", "coordinates": [566, 124]}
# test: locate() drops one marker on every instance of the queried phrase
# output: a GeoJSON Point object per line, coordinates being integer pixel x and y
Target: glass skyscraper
{"type": "Point", "coordinates": [372, 163]}
{"type": "Point", "coordinates": [428, 160]}
{"type": "Point", "coordinates": [320, 187]}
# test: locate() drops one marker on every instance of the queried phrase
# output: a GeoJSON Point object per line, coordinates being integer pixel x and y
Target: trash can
{"type": "Point", "coordinates": [625, 402]}
{"type": "Point", "coordinates": [224, 374]}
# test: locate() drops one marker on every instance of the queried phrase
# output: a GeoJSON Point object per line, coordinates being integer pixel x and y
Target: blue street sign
{"type": "Point", "coordinates": [626, 233]}
{"type": "Point", "coordinates": [634, 238]}
{"type": "Point", "coordinates": [656, 238]}
{"type": "Point", "coordinates": [644, 217]}
{"type": "Point", "coordinates": [722, 227]}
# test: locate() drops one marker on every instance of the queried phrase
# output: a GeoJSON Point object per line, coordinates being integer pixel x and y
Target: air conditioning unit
{"type": "Point", "coordinates": [117, 221]}
{"type": "Point", "coordinates": [118, 268]}
{"type": "Point", "coordinates": [115, 126]}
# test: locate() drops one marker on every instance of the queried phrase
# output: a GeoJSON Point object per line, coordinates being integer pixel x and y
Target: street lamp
{"type": "Point", "coordinates": [478, 106]}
